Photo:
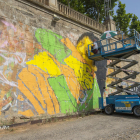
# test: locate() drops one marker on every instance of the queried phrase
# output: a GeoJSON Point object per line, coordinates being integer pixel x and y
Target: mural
{"type": "Point", "coordinates": [45, 73]}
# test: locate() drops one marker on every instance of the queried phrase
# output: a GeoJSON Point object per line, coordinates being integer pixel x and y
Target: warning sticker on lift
{"type": "Point", "coordinates": [123, 108]}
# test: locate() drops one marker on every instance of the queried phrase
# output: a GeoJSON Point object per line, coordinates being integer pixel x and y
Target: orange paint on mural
{"type": "Point", "coordinates": [53, 58]}
{"type": "Point", "coordinates": [30, 97]}
{"type": "Point", "coordinates": [72, 82]}
{"type": "Point", "coordinates": [2, 93]}
{"type": "Point", "coordinates": [27, 113]}
{"type": "Point", "coordinates": [43, 87]}
{"type": "Point", "coordinates": [52, 94]}
{"type": "Point", "coordinates": [30, 81]}
{"type": "Point", "coordinates": [41, 79]}
{"type": "Point", "coordinates": [49, 89]}
{"type": "Point", "coordinates": [20, 97]}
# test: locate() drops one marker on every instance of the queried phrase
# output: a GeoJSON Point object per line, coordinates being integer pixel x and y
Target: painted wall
{"type": "Point", "coordinates": [45, 69]}
{"type": "Point", "coordinates": [50, 75]}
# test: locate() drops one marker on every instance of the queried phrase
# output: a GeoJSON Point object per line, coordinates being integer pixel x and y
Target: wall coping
{"type": "Point", "coordinates": [68, 13]}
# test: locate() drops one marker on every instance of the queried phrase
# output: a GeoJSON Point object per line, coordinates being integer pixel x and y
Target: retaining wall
{"type": "Point", "coordinates": [44, 68]}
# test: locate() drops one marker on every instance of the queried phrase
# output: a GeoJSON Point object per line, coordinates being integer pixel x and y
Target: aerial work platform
{"type": "Point", "coordinates": [116, 46]}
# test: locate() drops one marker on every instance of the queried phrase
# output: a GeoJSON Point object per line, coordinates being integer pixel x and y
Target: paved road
{"type": "Point", "coordinates": [93, 127]}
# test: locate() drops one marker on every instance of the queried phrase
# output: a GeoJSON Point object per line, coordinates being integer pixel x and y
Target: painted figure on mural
{"type": "Point", "coordinates": [49, 75]}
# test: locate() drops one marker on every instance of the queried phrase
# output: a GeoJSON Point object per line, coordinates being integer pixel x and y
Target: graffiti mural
{"type": "Point", "coordinates": [45, 72]}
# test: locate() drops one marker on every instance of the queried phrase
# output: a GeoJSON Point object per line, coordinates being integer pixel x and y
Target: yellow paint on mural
{"type": "Point", "coordinates": [27, 113]}
{"type": "Point", "coordinates": [82, 48]}
{"type": "Point", "coordinates": [20, 97]}
{"type": "Point", "coordinates": [0, 112]}
{"type": "Point", "coordinates": [80, 70]}
{"type": "Point", "coordinates": [46, 63]}
{"type": "Point", "coordinates": [73, 84]}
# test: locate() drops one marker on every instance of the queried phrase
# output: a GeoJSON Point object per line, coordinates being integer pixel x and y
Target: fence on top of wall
{"type": "Point", "coordinates": [74, 15]}
{"type": "Point", "coordinates": [80, 17]}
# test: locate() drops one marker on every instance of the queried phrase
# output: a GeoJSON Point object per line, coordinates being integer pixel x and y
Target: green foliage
{"type": "Point", "coordinates": [95, 9]}
{"type": "Point", "coordinates": [135, 24]}
{"type": "Point", "coordinates": [122, 19]}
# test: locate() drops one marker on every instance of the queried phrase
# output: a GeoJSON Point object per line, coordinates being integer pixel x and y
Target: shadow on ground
{"type": "Point", "coordinates": [122, 115]}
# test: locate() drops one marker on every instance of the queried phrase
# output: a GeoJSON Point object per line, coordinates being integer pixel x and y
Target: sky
{"type": "Point", "coordinates": [132, 6]}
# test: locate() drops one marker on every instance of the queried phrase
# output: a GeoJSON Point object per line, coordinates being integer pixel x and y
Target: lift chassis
{"type": "Point", "coordinates": [121, 103]}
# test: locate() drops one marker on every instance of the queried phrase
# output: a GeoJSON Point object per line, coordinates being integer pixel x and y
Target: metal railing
{"type": "Point", "coordinates": [122, 42]}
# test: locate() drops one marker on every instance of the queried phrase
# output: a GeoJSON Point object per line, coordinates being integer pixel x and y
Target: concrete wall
{"type": "Point", "coordinates": [44, 68]}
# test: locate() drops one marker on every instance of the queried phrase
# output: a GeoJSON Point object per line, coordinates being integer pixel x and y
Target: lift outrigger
{"type": "Point", "coordinates": [118, 51]}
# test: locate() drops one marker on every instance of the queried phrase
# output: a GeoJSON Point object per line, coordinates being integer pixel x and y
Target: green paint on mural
{"type": "Point", "coordinates": [88, 103]}
{"type": "Point", "coordinates": [92, 101]}
{"type": "Point", "coordinates": [12, 64]}
{"type": "Point", "coordinates": [8, 94]}
{"type": "Point", "coordinates": [36, 49]}
{"type": "Point", "coordinates": [96, 94]}
{"type": "Point", "coordinates": [66, 100]}
{"type": "Point", "coordinates": [52, 43]}
{"type": "Point", "coordinates": [1, 58]}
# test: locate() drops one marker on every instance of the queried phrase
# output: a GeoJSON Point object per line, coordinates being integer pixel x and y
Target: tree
{"type": "Point", "coordinates": [95, 9]}
{"type": "Point", "coordinates": [135, 24]}
{"type": "Point", "coordinates": [122, 19]}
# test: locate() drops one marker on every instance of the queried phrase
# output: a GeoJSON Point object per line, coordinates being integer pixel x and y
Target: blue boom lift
{"type": "Point", "coordinates": [118, 51]}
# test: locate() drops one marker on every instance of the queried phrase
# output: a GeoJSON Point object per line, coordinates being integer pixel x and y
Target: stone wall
{"type": "Point", "coordinates": [44, 68]}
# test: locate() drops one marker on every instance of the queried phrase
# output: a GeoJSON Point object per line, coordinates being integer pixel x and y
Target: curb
{"type": "Point", "coordinates": [53, 119]}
